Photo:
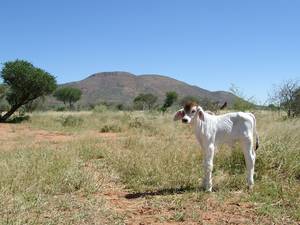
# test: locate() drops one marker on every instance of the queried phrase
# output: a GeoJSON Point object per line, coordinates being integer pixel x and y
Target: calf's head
{"type": "Point", "coordinates": [188, 112]}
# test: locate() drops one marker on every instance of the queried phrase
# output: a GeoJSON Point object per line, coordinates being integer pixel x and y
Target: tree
{"type": "Point", "coordinates": [296, 103]}
{"type": "Point", "coordinates": [143, 101]}
{"type": "Point", "coordinates": [284, 96]}
{"type": "Point", "coordinates": [25, 83]}
{"type": "Point", "coordinates": [68, 95]}
{"type": "Point", "coordinates": [171, 97]}
{"type": "Point", "coordinates": [120, 106]}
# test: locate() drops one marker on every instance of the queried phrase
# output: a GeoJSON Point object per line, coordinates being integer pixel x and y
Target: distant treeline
{"type": "Point", "coordinates": [25, 88]}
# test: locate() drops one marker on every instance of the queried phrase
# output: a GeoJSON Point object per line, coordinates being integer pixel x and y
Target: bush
{"type": "Point", "coordinates": [100, 108]}
{"type": "Point", "coordinates": [71, 121]}
{"type": "Point", "coordinates": [110, 128]}
{"type": "Point", "coordinates": [61, 109]}
{"type": "Point", "coordinates": [136, 122]}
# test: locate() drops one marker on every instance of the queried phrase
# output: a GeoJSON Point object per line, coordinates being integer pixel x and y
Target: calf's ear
{"type": "Point", "coordinates": [179, 115]}
{"type": "Point", "coordinates": [200, 113]}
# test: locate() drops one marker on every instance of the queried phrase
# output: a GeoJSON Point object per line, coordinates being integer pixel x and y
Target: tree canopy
{"type": "Point", "coordinates": [171, 98]}
{"type": "Point", "coordinates": [68, 95]}
{"type": "Point", "coordinates": [144, 101]}
{"type": "Point", "coordinates": [25, 83]}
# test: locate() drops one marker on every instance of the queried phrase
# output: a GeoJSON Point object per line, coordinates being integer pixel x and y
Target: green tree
{"type": "Point", "coordinates": [171, 98]}
{"type": "Point", "coordinates": [120, 106]}
{"type": "Point", "coordinates": [143, 101]}
{"type": "Point", "coordinates": [68, 95]}
{"type": "Point", "coordinates": [25, 83]}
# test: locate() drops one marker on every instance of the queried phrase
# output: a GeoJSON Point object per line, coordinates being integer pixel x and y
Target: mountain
{"type": "Point", "coordinates": [123, 87]}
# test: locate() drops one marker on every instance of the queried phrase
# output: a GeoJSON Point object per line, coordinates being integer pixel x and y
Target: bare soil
{"type": "Point", "coordinates": [137, 210]}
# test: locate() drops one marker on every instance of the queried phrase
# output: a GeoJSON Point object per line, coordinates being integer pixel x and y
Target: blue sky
{"type": "Point", "coordinates": [252, 44]}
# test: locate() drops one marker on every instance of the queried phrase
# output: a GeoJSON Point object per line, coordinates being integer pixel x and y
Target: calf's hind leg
{"type": "Point", "coordinates": [249, 155]}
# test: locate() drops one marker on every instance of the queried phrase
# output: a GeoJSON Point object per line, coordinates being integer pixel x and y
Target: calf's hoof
{"type": "Point", "coordinates": [250, 187]}
{"type": "Point", "coordinates": [206, 188]}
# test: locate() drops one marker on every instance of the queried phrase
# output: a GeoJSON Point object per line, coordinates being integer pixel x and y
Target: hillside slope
{"type": "Point", "coordinates": [123, 87]}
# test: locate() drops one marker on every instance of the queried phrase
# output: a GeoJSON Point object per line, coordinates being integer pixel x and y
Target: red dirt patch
{"type": "Point", "coordinates": [11, 134]}
{"type": "Point", "coordinates": [106, 135]}
{"type": "Point", "coordinates": [55, 137]}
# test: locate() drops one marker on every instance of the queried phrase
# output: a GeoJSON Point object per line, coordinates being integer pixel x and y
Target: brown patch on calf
{"type": "Point", "coordinates": [189, 105]}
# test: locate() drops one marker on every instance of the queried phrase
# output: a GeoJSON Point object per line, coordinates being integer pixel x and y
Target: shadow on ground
{"type": "Point", "coordinates": [162, 192]}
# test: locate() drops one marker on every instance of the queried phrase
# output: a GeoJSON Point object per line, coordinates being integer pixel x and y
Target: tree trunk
{"type": "Point", "coordinates": [9, 113]}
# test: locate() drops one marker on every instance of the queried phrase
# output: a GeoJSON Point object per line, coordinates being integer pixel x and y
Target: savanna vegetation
{"type": "Point", "coordinates": [114, 165]}
{"type": "Point", "coordinates": [106, 167]}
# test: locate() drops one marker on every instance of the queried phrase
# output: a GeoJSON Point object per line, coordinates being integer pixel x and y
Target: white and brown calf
{"type": "Point", "coordinates": [214, 130]}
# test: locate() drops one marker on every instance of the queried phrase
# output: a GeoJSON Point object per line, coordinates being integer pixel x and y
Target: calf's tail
{"type": "Point", "coordinates": [257, 142]}
{"type": "Point", "coordinates": [255, 131]}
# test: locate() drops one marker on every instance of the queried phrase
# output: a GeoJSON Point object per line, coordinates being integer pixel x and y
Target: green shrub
{"type": "Point", "coordinates": [100, 108]}
{"type": "Point", "coordinates": [110, 128]}
{"type": "Point", "coordinates": [61, 109]}
{"type": "Point", "coordinates": [71, 121]}
{"type": "Point", "coordinates": [136, 122]}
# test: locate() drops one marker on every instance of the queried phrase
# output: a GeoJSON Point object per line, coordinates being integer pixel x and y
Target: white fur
{"type": "Point", "coordinates": [214, 130]}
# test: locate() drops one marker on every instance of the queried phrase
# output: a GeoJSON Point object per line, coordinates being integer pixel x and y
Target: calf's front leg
{"type": "Point", "coordinates": [208, 167]}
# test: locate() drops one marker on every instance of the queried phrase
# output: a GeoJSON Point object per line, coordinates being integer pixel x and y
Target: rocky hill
{"type": "Point", "coordinates": [123, 87]}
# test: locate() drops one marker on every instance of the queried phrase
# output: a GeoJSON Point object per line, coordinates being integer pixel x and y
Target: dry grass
{"type": "Point", "coordinates": [66, 181]}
